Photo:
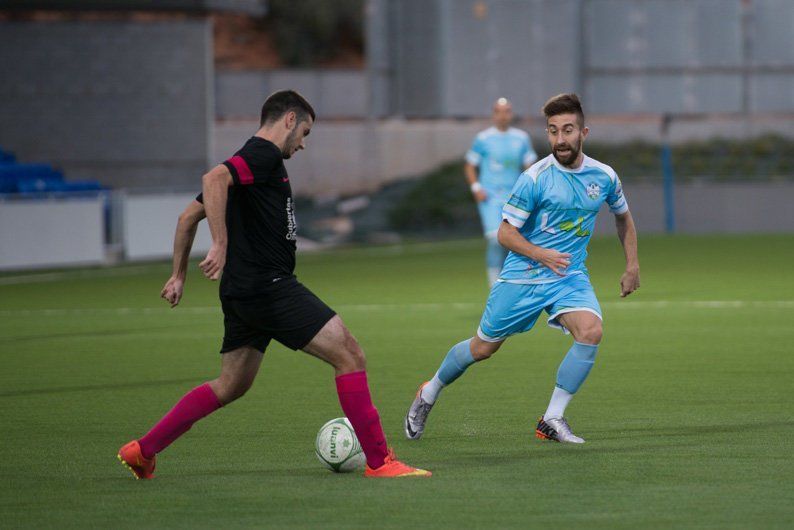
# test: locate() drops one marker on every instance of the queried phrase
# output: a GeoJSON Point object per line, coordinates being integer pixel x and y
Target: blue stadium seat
{"type": "Point", "coordinates": [31, 179]}
{"type": "Point", "coordinates": [12, 177]}
{"type": "Point", "coordinates": [83, 185]}
{"type": "Point", "coordinates": [8, 184]}
{"type": "Point", "coordinates": [41, 185]}
{"type": "Point", "coordinates": [25, 171]}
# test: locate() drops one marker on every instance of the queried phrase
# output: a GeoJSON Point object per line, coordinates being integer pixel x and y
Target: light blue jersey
{"type": "Point", "coordinates": [500, 158]}
{"type": "Point", "coordinates": [556, 207]}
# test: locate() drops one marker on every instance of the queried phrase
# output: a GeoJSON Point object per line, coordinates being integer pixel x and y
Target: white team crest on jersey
{"type": "Point", "coordinates": [593, 190]}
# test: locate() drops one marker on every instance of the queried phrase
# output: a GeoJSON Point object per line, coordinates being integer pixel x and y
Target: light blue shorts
{"type": "Point", "coordinates": [491, 213]}
{"type": "Point", "coordinates": [514, 308]}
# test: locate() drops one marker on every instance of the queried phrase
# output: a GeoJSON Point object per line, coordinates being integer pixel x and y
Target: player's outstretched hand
{"type": "Point", "coordinates": [629, 282]}
{"type": "Point", "coordinates": [212, 266]}
{"type": "Point", "coordinates": [172, 291]}
{"type": "Point", "coordinates": [480, 195]}
{"type": "Point", "coordinates": [556, 261]}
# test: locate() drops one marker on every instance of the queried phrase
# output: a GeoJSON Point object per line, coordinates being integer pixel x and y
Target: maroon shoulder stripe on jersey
{"type": "Point", "coordinates": [243, 171]}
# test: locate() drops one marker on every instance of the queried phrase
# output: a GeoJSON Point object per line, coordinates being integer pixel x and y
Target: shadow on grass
{"type": "Point", "coordinates": [88, 334]}
{"type": "Point", "coordinates": [181, 476]}
{"type": "Point", "coordinates": [451, 461]}
{"type": "Point", "coordinates": [550, 450]}
{"type": "Point", "coordinates": [108, 386]}
{"type": "Point", "coordinates": [684, 431]}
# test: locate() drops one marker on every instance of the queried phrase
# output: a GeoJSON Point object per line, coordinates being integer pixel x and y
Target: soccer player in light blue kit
{"type": "Point", "coordinates": [547, 223]}
{"type": "Point", "coordinates": [493, 164]}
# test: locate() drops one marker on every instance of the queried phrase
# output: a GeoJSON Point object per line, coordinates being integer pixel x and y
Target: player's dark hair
{"type": "Point", "coordinates": [564, 104]}
{"type": "Point", "coordinates": [283, 101]}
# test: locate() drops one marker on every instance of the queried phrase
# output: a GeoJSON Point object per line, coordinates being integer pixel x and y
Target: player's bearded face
{"type": "Point", "coordinates": [565, 137]}
{"type": "Point", "coordinates": [567, 151]}
{"type": "Point", "coordinates": [295, 140]}
{"type": "Point", "coordinates": [291, 145]}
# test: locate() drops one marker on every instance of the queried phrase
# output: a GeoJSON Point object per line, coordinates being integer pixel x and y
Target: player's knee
{"type": "Point", "coordinates": [239, 388]}
{"type": "Point", "coordinates": [229, 389]}
{"type": "Point", "coordinates": [481, 350]}
{"type": "Point", "coordinates": [591, 334]}
{"type": "Point", "coordinates": [352, 358]}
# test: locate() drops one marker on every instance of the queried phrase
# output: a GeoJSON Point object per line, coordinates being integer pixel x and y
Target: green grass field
{"type": "Point", "coordinates": [688, 414]}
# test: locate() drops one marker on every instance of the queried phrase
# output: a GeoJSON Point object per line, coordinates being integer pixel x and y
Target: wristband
{"type": "Point", "coordinates": [475, 187]}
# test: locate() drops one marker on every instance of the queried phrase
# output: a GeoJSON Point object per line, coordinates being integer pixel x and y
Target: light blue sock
{"type": "Point", "coordinates": [455, 363]}
{"type": "Point", "coordinates": [577, 364]}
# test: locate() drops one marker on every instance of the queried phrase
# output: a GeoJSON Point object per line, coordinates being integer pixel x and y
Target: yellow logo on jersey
{"type": "Point", "coordinates": [570, 226]}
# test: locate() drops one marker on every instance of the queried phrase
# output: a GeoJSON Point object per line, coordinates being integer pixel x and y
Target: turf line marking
{"type": "Point", "coordinates": [212, 310]}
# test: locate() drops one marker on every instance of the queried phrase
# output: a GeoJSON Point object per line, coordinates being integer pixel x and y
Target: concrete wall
{"type": "Point", "coordinates": [50, 233]}
{"type": "Point", "coordinates": [453, 58]}
{"type": "Point", "coordinates": [710, 208]}
{"type": "Point", "coordinates": [450, 58]}
{"type": "Point", "coordinates": [353, 157]}
{"type": "Point", "coordinates": [332, 93]}
{"type": "Point", "coordinates": [149, 222]}
{"type": "Point", "coordinates": [119, 101]}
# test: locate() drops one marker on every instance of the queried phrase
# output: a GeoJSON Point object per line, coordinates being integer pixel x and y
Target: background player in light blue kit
{"type": "Point", "coordinates": [547, 222]}
{"type": "Point", "coordinates": [493, 164]}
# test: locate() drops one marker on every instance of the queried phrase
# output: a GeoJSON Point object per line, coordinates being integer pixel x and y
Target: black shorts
{"type": "Point", "coordinates": [287, 311]}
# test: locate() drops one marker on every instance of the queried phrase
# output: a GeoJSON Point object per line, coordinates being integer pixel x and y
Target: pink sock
{"type": "Point", "coordinates": [193, 406]}
{"type": "Point", "coordinates": [357, 404]}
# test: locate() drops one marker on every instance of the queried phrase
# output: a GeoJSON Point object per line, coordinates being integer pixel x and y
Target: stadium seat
{"type": "Point", "coordinates": [83, 185]}
{"type": "Point", "coordinates": [26, 178]}
{"type": "Point", "coordinates": [41, 185]}
{"type": "Point", "coordinates": [31, 179]}
{"type": "Point", "coordinates": [26, 171]}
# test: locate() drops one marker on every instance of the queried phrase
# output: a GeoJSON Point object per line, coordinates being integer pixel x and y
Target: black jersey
{"type": "Point", "coordinates": [260, 221]}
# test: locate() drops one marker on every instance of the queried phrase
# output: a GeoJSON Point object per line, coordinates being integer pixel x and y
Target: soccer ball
{"type": "Point", "coordinates": [338, 448]}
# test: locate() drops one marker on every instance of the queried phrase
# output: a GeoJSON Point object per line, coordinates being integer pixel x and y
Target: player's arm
{"type": "Point", "coordinates": [471, 168]}
{"type": "Point", "coordinates": [183, 241]}
{"type": "Point", "coordinates": [472, 178]}
{"type": "Point", "coordinates": [215, 187]}
{"type": "Point", "coordinates": [630, 280]}
{"type": "Point", "coordinates": [510, 238]}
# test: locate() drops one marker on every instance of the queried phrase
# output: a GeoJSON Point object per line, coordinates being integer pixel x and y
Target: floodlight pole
{"type": "Point", "coordinates": [667, 174]}
{"type": "Point", "coordinates": [375, 46]}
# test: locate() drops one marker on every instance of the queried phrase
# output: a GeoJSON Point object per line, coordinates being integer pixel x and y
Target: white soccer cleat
{"type": "Point", "coordinates": [417, 416]}
{"type": "Point", "coordinates": [556, 429]}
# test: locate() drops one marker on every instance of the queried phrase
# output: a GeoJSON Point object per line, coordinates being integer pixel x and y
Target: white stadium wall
{"type": "Point", "coordinates": [59, 232]}
{"type": "Point", "coordinates": [50, 233]}
{"type": "Point", "coordinates": [148, 224]}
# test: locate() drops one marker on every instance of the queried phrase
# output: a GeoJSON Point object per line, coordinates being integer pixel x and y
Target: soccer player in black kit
{"type": "Point", "coordinates": [248, 204]}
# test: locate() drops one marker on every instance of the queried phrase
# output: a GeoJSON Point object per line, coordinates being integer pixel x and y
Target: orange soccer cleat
{"type": "Point", "coordinates": [393, 468]}
{"type": "Point", "coordinates": [132, 458]}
